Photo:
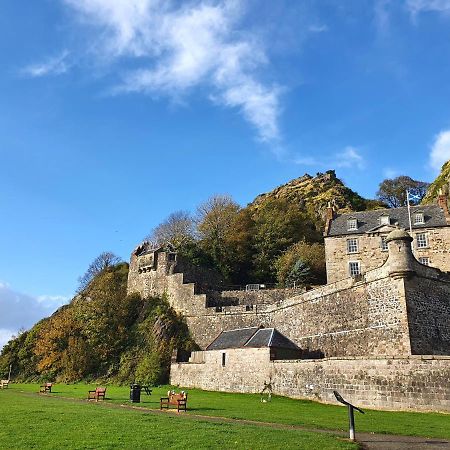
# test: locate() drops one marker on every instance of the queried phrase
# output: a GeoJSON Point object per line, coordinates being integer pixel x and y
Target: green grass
{"type": "Point", "coordinates": [46, 422]}
{"type": "Point", "coordinates": [281, 410]}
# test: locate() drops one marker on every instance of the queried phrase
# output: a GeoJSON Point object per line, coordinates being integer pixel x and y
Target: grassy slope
{"type": "Point", "coordinates": [280, 410]}
{"type": "Point", "coordinates": [48, 423]}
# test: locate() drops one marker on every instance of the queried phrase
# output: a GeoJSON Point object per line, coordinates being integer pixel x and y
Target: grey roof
{"type": "Point", "coordinates": [369, 221]}
{"type": "Point", "coordinates": [251, 338]}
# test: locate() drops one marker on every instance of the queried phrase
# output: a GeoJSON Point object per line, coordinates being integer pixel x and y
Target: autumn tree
{"type": "Point", "coordinates": [102, 262]}
{"type": "Point", "coordinates": [278, 225]}
{"type": "Point", "coordinates": [313, 254]}
{"type": "Point", "coordinates": [393, 191]}
{"type": "Point", "coordinates": [215, 218]}
{"type": "Point", "coordinates": [177, 229]}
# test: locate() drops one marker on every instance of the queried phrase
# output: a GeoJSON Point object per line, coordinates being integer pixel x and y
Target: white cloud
{"type": "Point", "coordinates": [317, 28]}
{"type": "Point", "coordinates": [350, 157]}
{"type": "Point", "coordinates": [389, 172]}
{"type": "Point", "coordinates": [382, 16]}
{"type": "Point", "coordinates": [22, 311]}
{"type": "Point", "coordinates": [180, 46]}
{"type": "Point", "coordinates": [53, 66]}
{"type": "Point", "coordinates": [418, 6]}
{"type": "Point", "coordinates": [5, 336]}
{"type": "Point", "coordinates": [440, 150]}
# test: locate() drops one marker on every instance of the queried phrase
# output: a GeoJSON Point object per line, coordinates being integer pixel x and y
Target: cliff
{"type": "Point", "coordinates": [313, 194]}
{"type": "Point", "coordinates": [442, 182]}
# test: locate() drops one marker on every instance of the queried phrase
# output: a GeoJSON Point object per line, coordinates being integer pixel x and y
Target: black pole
{"type": "Point", "coordinates": [351, 419]}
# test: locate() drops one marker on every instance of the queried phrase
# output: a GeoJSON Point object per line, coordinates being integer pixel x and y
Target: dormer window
{"type": "Point", "coordinates": [352, 224]}
{"type": "Point", "coordinates": [418, 218]}
{"type": "Point", "coordinates": [385, 220]}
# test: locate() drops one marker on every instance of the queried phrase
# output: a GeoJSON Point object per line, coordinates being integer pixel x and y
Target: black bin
{"type": "Point", "coordinates": [135, 393]}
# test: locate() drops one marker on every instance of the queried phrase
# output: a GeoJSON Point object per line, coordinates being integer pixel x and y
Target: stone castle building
{"type": "Point", "coordinates": [379, 339]}
{"type": "Point", "coordinates": [356, 242]}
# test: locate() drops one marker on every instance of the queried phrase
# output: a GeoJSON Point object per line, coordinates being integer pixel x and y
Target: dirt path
{"type": "Point", "coordinates": [369, 441]}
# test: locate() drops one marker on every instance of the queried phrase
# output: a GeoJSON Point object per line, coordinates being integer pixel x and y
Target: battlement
{"type": "Point", "coordinates": [399, 308]}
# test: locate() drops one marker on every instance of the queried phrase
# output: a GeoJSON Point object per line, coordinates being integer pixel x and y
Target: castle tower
{"type": "Point", "coordinates": [401, 260]}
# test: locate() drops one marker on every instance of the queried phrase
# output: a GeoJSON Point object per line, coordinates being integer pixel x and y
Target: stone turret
{"type": "Point", "coordinates": [401, 260]}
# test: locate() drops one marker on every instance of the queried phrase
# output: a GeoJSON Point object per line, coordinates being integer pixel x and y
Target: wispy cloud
{"type": "Point", "coordinates": [22, 311]}
{"type": "Point", "coordinates": [349, 158]}
{"type": "Point", "coordinates": [52, 66]}
{"type": "Point", "coordinates": [318, 28]}
{"type": "Point", "coordinates": [184, 46]}
{"type": "Point", "coordinates": [440, 150]}
{"type": "Point", "coordinates": [389, 172]}
{"type": "Point", "coordinates": [382, 16]}
{"type": "Point", "coordinates": [417, 6]}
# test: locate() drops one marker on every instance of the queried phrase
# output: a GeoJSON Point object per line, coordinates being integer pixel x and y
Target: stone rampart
{"type": "Point", "coordinates": [401, 383]}
{"type": "Point", "coordinates": [400, 308]}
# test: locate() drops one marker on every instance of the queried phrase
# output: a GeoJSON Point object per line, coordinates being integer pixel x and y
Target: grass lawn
{"type": "Point", "coordinates": [280, 410]}
{"type": "Point", "coordinates": [43, 422]}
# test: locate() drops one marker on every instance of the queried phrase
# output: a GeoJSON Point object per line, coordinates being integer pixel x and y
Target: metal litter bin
{"type": "Point", "coordinates": [135, 393]}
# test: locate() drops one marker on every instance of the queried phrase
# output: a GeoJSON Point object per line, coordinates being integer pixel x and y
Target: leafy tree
{"type": "Point", "coordinates": [300, 273]}
{"type": "Point", "coordinates": [238, 242]}
{"type": "Point", "coordinates": [178, 229]}
{"type": "Point", "coordinates": [278, 225]}
{"type": "Point", "coordinates": [393, 191]}
{"type": "Point", "coordinates": [103, 261]}
{"type": "Point", "coordinates": [215, 218]}
{"type": "Point", "coordinates": [312, 254]}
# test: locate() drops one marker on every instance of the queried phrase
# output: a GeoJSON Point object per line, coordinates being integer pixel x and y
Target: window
{"type": "Point", "coordinates": [424, 260]}
{"type": "Point", "coordinates": [384, 244]}
{"type": "Point", "coordinates": [422, 241]}
{"type": "Point", "coordinates": [384, 220]}
{"type": "Point", "coordinates": [249, 307]}
{"type": "Point", "coordinates": [352, 224]}
{"type": "Point", "coordinates": [418, 218]}
{"type": "Point", "coordinates": [224, 355]}
{"type": "Point", "coordinates": [172, 257]}
{"type": "Point", "coordinates": [354, 268]}
{"type": "Point", "coordinates": [352, 245]}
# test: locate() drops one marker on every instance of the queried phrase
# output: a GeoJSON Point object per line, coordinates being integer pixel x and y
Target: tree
{"type": "Point", "coordinates": [278, 225]}
{"type": "Point", "coordinates": [177, 229]}
{"type": "Point", "coordinates": [312, 254]}
{"type": "Point", "coordinates": [393, 191]}
{"type": "Point", "coordinates": [215, 218]}
{"type": "Point", "coordinates": [299, 274]}
{"type": "Point", "coordinates": [102, 262]}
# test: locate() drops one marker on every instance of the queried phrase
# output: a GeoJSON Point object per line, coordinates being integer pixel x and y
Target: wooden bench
{"type": "Point", "coordinates": [46, 387]}
{"type": "Point", "coordinates": [146, 389]}
{"type": "Point", "coordinates": [178, 400]}
{"type": "Point", "coordinates": [4, 384]}
{"type": "Point", "coordinates": [98, 394]}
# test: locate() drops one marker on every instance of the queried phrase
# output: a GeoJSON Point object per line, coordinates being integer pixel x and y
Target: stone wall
{"type": "Point", "coordinates": [402, 383]}
{"type": "Point", "coordinates": [347, 318]}
{"type": "Point", "coordinates": [428, 302]}
{"type": "Point", "coordinates": [400, 308]}
{"type": "Point", "coordinates": [245, 370]}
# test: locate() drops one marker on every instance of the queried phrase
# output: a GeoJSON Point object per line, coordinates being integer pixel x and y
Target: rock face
{"type": "Point", "coordinates": [441, 185]}
{"type": "Point", "coordinates": [313, 194]}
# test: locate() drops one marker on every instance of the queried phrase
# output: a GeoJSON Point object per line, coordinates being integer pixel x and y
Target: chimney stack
{"type": "Point", "coordinates": [330, 215]}
{"type": "Point", "coordinates": [443, 203]}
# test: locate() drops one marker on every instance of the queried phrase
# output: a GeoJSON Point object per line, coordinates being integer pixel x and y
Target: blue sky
{"type": "Point", "coordinates": [114, 113]}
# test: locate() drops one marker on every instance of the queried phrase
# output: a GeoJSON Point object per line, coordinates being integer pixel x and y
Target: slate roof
{"type": "Point", "coordinates": [253, 337]}
{"type": "Point", "coordinates": [370, 220]}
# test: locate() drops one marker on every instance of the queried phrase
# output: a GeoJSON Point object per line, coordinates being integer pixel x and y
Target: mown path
{"type": "Point", "coordinates": [368, 441]}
